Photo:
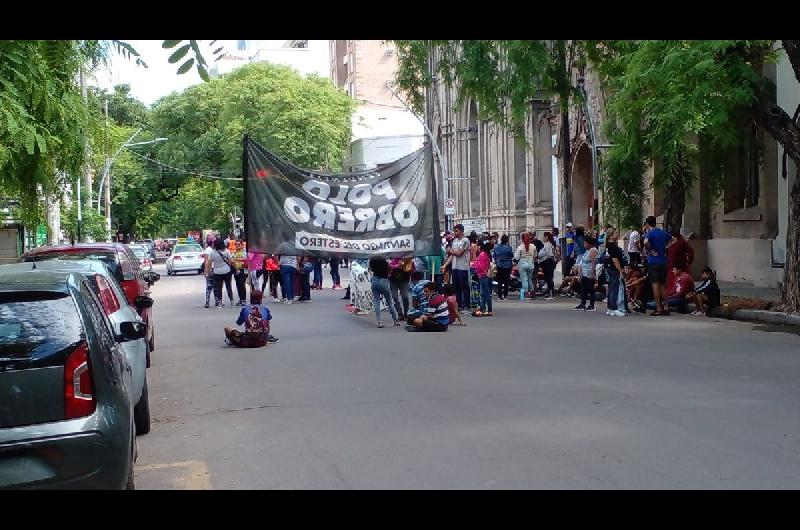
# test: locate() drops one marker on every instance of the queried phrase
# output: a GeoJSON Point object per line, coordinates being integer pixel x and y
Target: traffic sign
{"type": "Point", "coordinates": [449, 206]}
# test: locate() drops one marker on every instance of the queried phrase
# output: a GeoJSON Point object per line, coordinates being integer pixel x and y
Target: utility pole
{"type": "Point", "coordinates": [108, 179]}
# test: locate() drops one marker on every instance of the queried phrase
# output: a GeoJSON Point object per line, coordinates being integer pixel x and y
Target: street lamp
{"type": "Point", "coordinates": [107, 171]}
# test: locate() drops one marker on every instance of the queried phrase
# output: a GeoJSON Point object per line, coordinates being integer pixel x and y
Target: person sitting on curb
{"type": "Point", "coordinates": [635, 284]}
{"type": "Point", "coordinates": [684, 284]}
{"type": "Point", "coordinates": [571, 284]}
{"type": "Point", "coordinates": [436, 316]}
{"type": "Point", "coordinates": [419, 304]}
{"type": "Point", "coordinates": [255, 318]}
{"type": "Point", "coordinates": [449, 292]}
{"type": "Point", "coordinates": [706, 295]}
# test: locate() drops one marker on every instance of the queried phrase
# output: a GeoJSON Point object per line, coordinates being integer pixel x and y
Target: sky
{"type": "Point", "coordinates": [159, 79]}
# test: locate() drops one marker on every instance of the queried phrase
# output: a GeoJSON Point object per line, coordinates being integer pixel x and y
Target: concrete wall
{"type": "Point", "coordinates": [744, 260]}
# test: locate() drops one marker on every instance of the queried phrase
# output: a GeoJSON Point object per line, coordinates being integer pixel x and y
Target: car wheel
{"type": "Point", "coordinates": [141, 412]}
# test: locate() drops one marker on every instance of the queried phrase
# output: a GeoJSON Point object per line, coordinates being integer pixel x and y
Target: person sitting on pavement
{"type": "Point", "coordinates": [419, 303]}
{"type": "Point", "coordinates": [437, 315]}
{"type": "Point", "coordinates": [255, 318]}
{"type": "Point", "coordinates": [684, 284]}
{"type": "Point", "coordinates": [635, 283]}
{"type": "Point", "coordinates": [452, 305]}
{"type": "Point", "coordinates": [571, 284]}
{"type": "Point", "coordinates": [706, 295]}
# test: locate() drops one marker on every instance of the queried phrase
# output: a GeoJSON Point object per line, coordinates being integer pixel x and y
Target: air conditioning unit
{"type": "Point", "coordinates": [389, 52]}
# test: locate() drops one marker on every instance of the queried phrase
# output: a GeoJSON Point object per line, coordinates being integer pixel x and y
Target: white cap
{"type": "Point", "coordinates": [568, 225]}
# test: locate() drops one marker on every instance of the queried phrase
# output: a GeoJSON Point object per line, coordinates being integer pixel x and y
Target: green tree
{"type": "Point", "coordinates": [684, 103]}
{"type": "Point", "coordinates": [501, 76]}
{"type": "Point", "coordinates": [43, 120]}
{"type": "Point", "coordinates": [93, 224]}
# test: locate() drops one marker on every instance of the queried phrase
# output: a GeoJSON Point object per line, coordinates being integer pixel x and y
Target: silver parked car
{"type": "Point", "coordinates": [141, 253]}
{"type": "Point", "coordinates": [118, 311]}
{"type": "Point", "coordinates": [66, 415]}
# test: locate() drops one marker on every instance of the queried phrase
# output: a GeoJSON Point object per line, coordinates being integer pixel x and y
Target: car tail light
{"type": "Point", "coordinates": [79, 398]}
{"type": "Point", "coordinates": [147, 261]}
{"type": "Point", "coordinates": [107, 297]}
{"type": "Point", "coordinates": [176, 258]}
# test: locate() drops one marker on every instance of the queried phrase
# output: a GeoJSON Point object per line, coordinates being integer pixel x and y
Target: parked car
{"type": "Point", "coordinates": [150, 245]}
{"type": "Point", "coordinates": [122, 263]}
{"type": "Point", "coordinates": [118, 310]}
{"type": "Point", "coordinates": [188, 257]}
{"type": "Point", "coordinates": [145, 261]}
{"type": "Point", "coordinates": [66, 414]}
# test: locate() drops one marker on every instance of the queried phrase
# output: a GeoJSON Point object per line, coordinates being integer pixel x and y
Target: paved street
{"type": "Point", "coordinates": [538, 397]}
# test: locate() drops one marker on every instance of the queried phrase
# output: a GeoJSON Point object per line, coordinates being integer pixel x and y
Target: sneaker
{"type": "Point", "coordinates": [549, 298]}
{"type": "Point", "coordinates": [579, 307]}
{"type": "Point", "coordinates": [206, 306]}
{"type": "Point", "coordinates": [609, 312]}
{"type": "Point", "coordinates": [274, 300]}
{"type": "Point", "coordinates": [221, 306]}
{"type": "Point", "coordinates": [488, 314]}
{"type": "Point", "coordinates": [288, 302]}
{"type": "Point", "coordinates": [273, 340]}
{"type": "Point", "coordinates": [591, 308]}
{"type": "Point", "coordinates": [619, 313]}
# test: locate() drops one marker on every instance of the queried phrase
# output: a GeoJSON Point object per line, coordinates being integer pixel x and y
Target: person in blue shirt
{"type": "Point", "coordinates": [656, 244]}
{"type": "Point", "coordinates": [503, 256]}
{"type": "Point", "coordinates": [256, 318]}
{"type": "Point", "coordinates": [436, 316]}
{"type": "Point", "coordinates": [419, 302]}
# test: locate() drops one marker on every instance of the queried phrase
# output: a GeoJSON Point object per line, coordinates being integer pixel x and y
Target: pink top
{"type": "Point", "coordinates": [481, 265]}
{"type": "Point", "coordinates": [255, 261]}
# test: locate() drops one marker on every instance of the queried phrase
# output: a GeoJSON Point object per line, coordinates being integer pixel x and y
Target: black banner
{"type": "Point", "coordinates": [391, 210]}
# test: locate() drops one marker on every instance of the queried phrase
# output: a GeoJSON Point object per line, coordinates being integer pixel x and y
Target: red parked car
{"type": "Point", "coordinates": [122, 262]}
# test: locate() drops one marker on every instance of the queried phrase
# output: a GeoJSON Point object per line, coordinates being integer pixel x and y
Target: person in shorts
{"type": "Point", "coordinates": [656, 244]}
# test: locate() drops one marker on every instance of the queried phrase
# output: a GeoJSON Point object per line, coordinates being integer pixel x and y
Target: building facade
{"type": "Point", "coordinates": [384, 129]}
{"type": "Point", "coordinates": [500, 182]}
{"type": "Point", "coordinates": [738, 231]}
{"type": "Point", "coordinates": [305, 56]}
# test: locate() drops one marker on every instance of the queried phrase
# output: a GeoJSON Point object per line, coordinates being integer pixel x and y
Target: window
{"type": "Point", "coordinates": [742, 186]}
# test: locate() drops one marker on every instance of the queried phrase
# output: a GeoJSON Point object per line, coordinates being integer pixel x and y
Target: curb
{"type": "Point", "coordinates": [758, 315]}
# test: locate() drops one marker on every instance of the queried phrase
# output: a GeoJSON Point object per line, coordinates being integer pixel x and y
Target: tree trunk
{"type": "Point", "coordinates": [675, 204]}
{"type": "Point", "coordinates": [791, 268]}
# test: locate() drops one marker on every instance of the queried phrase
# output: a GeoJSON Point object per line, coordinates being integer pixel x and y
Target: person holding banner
{"type": "Point", "coordinates": [380, 287]}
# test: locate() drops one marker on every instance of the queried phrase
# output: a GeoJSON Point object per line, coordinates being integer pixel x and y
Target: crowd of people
{"type": "Point", "coordinates": [228, 263]}
{"type": "Point", "coordinates": [431, 293]}
{"type": "Point", "coordinates": [653, 272]}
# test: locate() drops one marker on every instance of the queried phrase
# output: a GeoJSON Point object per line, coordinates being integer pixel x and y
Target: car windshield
{"type": "Point", "coordinates": [37, 328]}
{"type": "Point", "coordinates": [188, 248]}
{"type": "Point", "coordinates": [139, 253]}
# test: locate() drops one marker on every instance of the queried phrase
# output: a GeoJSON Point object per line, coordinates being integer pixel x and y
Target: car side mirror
{"type": "Point", "coordinates": [143, 302]}
{"type": "Point", "coordinates": [152, 277]}
{"type": "Point", "coordinates": [132, 331]}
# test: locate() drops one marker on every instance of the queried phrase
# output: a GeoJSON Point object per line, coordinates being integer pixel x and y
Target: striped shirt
{"type": "Point", "coordinates": [437, 309]}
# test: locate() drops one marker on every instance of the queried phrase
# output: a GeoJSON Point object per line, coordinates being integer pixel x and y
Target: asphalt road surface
{"type": "Point", "coordinates": [537, 397]}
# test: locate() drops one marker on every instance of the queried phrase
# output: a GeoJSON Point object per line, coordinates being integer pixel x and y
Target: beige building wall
{"type": "Point", "coordinates": [504, 181]}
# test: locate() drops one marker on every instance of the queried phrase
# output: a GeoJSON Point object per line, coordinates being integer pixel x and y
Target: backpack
{"type": "Point", "coordinates": [255, 321]}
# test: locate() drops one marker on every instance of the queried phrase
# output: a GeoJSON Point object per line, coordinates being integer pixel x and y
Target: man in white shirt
{"type": "Point", "coordinates": [635, 247]}
{"type": "Point", "coordinates": [459, 250]}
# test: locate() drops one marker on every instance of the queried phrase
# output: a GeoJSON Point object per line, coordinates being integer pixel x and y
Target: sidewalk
{"type": "Point", "coordinates": [747, 303]}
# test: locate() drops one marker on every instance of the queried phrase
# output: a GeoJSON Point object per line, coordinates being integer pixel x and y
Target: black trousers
{"type": "Point", "coordinates": [219, 279]}
{"type": "Point", "coordinates": [503, 279]}
{"type": "Point", "coordinates": [548, 268]}
{"type": "Point", "coordinates": [587, 291]}
{"type": "Point", "coordinates": [241, 284]}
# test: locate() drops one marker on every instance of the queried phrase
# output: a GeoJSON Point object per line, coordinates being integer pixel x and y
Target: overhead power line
{"type": "Point", "coordinates": [187, 171]}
